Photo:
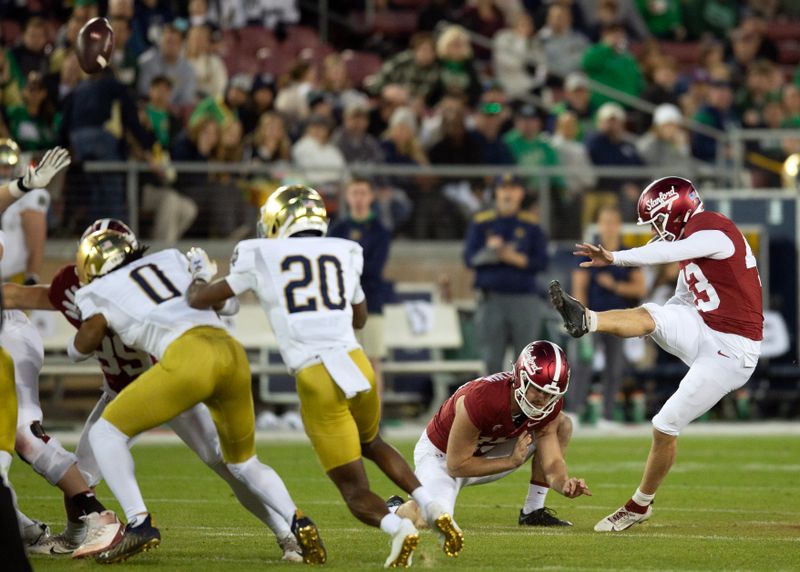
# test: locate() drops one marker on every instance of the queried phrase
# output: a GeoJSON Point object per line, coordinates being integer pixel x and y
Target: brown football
{"type": "Point", "coordinates": [94, 45]}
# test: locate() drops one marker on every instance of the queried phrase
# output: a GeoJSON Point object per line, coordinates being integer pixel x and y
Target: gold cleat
{"type": "Point", "coordinates": [309, 539]}
{"type": "Point", "coordinates": [404, 542]}
{"type": "Point", "coordinates": [452, 537]}
{"type": "Point", "coordinates": [406, 552]}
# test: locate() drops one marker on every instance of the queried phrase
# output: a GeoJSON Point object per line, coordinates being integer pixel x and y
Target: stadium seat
{"type": "Point", "coordinates": [387, 23]}
{"type": "Point", "coordinates": [360, 65]}
{"type": "Point", "coordinates": [9, 32]}
{"type": "Point", "coordinates": [781, 31]}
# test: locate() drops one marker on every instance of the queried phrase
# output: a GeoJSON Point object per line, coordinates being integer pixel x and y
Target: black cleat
{"type": "Point", "coordinates": [309, 539]}
{"type": "Point", "coordinates": [572, 312]}
{"type": "Point", "coordinates": [394, 501]}
{"type": "Point", "coordinates": [133, 541]}
{"type": "Point", "coordinates": [542, 517]}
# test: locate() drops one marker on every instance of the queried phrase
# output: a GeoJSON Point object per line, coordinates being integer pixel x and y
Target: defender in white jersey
{"type": "Point", "coordinates": [309, 287]}
{"type": "Point", "coordinates": [141, 299]}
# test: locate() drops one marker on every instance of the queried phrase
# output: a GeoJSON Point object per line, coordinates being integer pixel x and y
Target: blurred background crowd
{"type": "Point", "coordinates": [559, 87]}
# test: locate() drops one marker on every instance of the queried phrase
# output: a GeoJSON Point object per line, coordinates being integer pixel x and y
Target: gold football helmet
{"type": "Point", "coordinates": [101, 252]}
{"type": "Point", "coordinates": [9, 153]}
{"type": "Point", "coordinates": [292, 209]}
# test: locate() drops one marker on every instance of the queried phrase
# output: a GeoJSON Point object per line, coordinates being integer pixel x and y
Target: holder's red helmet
{"type": "Point", "coordinates": [112, 224]}
{"type": "Point", "coordinates": [544, 365]}
{"type": "Point", "coordinates": [667, 204]}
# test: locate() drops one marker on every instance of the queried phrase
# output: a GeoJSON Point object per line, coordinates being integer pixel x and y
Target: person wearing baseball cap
{"type": "Point", "coordinates": [529, 147]}
{"type": "Point", "coordinates": [666, 143]}
{"type": "Point", "coordinates": [507, 249]}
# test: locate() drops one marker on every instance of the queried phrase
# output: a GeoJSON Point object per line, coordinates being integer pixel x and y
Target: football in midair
{"type": "Point", "coordinates": [94, 45]}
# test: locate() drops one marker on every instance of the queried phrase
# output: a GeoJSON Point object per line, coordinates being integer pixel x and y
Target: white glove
{"type": "Point", "coordinates": [39, 177]}
{"type": "Point", "coordinates": [200, 265]}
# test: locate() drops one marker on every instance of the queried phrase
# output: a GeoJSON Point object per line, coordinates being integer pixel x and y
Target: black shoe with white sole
{"type": "Point", "coordinates": [542, 517]}
{"type": "Point", "coordinates": [572, 312]}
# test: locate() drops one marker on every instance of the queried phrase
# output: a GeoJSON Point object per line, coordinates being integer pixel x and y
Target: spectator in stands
{"type": "Point", "coordinates": [609, 288]}
{"type": "Point", "coordinates": [416, 69]}
{"type": "Point", "coordinates": [579, 176]}
{"type": "Point", "coordinates": [609, 63]}
{"type": "Point", "coordinates": [91, 129]}
{"type": "Point", "coordinates": [664, 87]}
{"type": "Point", "coordinates": [209, 69]}
{"type": "Point", "coordinates": [760, 88]}
{"type": "Point", "coordinates": [563, 45]}
{"type": "Point", "coordinates": [623, 12]}
{"type": "Point", "coordinates": [530, 148]}
{"type": "Point", "coordinates": [714, 17]}
{"type": "Point", "coordinates": [485, 19]}
{"type": "Point", "coordinates": [229, 108]}
{"type": "Point", "coordinates": [321, 104]}
{"type": "Point", "coordinates": [459, 145]}
{"type": "Point", "coordinates": [663, 18]}
{"type": "Point", "coordinates": [292, 98]}
{"type": "Point", "coordinates": [518, 58]}
{"type": "Point", "coordinates": [458, 73]}
{"type": "Point", "coordinates": [151, 18]}
{"type": "Point", "coordinates": [435, 12]}
{"type": "Point", "coordinates": [34, 124]}
{"type": "Point", "coordinates": [393, 97]}
{"type": "Point", "coordinates": [66, 38]}
{"type": "Point", "coordinates": [716, 113]}
{"type": "Point", "coordinates": [577, 100]}
{"type": "Point", "coordinates": [31, 54]}
{"type": "Point", "coordinates": [791, 105]}
{"type": "Point", "coordinates": [10, 93]}
{"type": "Point", "coordinates": [272, 14]}
{"type": "Point", "coordinates": [232, 218]}
{"type": "Point", "coordinates": [262, 100]}
{"type": "Point", "coordinates": [361, 224]}
{"type": "Point", "coordinates": [493, 112]}
{"type": "Point", "coordinates": [269, 143]}
{"type": "Point", "coordinates": [744, 46]}
{"type": "Point", "coordinates": [666, 144]}
{"type": "Point", "coordinates": [168, 60]}
{"type": "Point", "coordinates": [612, 146]}
{"type": "Point", "coordinates": [506, 249]}
{"type": "Point", "coordinates": [124, 61]}
{"type": "Point", "coordinates": [319, 160]}
{"type": "Point", "coordinates": [696, 92]}
{"type": "Point", "coordinates": [171, 212]}
{"type": "Point", "coordinates": [352, 138]}
{"type": "Point", "coordinates": [336, 83]}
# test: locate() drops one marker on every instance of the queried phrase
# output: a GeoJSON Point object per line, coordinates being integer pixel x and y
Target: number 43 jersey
{"type": "Point", "coordinates": [306, 286]}
{"type": "Point", "coordinates": [143, 302]}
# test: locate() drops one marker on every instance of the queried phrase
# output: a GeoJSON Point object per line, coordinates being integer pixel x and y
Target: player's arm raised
{"type": "Point", "coordinates": [201, 295]}
{"type": "Point", "coordinates": [17, 297]}
{"type": "Point", "coordinates": [37, 177]}
{"type": "Point", "coordinates": [554, 466]}
{"type": "Point", "coordinates": [463, 441]}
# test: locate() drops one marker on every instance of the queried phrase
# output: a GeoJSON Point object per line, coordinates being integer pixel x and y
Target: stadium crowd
{"type": "Point", "coordinates": [511, 83]}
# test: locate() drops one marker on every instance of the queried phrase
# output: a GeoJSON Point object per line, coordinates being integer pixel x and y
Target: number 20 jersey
{"type": "Point", "coordinates": [306, 287]}
{"type": "Point", "coordinates": [727, 292]}
{"type": "Point", "coordinates": [143, 302]}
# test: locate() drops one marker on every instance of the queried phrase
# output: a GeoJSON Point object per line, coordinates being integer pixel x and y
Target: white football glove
{"type": "Point", "coordinates": [200, 265]}
{"type": "Point", "coordinates": [40, 176]}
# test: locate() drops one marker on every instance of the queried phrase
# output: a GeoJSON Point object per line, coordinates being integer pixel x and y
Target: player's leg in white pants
{"type": "Point", "coordinates": [196, 428]}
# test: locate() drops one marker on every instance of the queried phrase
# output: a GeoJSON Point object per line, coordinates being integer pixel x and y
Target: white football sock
{"type": "Point", "coordinates": [266, 485]}
{"type": "Point", "coordinates": [591, 320]}
{"type": "Point", "coordinates": [423, 498]}
{"type": "Point", "coordinates": [390, 524]}
{"type": "Point", "coordinates": [110, 447]}
{"type": "Point", "coordinates": [642, 499]}
{"type": "Point", "coordinates": [279, 525]}
{"type": "Point", "coordinates": [24, 519]}
{"type": "Point", "coordinates": [535, 499]}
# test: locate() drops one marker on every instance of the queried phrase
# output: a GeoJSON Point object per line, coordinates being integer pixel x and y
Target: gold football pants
{"type": "Point", "coordinates": [8, 403]}
{"type": "Point", "coordinates": [336, 425]}
{"type": "Point", "coordinates": [204, 365]}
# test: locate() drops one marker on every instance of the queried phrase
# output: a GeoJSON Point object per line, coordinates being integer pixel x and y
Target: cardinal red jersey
{"type": "Point", "coordinates": [727, 293]}
{"type": "Point", "coordinates": [488, 404]}
{"type": "Point", "coordinates": [120, 364]}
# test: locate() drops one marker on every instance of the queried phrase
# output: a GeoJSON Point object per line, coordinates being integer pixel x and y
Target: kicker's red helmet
{"type": "Point", "coordinates": [667, 204]}
{"type": "Point", "coordinates": [544, 365]}
{"type": "Point", "coordinates": [112, 224]}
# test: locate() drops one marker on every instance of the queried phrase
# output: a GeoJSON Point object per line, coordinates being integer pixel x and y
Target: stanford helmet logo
{"type": "Point", "coordinates": [664, 199]}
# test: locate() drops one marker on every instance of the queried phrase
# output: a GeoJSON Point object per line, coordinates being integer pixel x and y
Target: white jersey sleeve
{"type": "Point", "coordinates": [703, 244]}
{"type": "Point", "coordinates": [306, 287]}
{"type": "Point", "coordinates": [144, 302]}
{"type": "Point", "coordinates": [15, 257]}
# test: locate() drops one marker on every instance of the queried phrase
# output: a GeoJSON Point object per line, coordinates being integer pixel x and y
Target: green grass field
{"type": "Point", "coordinates": [731, 503]}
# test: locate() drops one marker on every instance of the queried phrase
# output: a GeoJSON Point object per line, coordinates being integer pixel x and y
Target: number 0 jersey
{"type": "Point", "coordinates": [306, 287]}
{"type": "Point", "coordinates": [143, 302]}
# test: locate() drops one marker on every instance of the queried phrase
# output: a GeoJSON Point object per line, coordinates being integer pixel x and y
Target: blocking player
{"type": "Point", "coordinates": [713, 323]}
{"type": "Point", "coordinates": [140, 298]}
{"type": "Point", "coordinates": [491, 426]}
{"type": "Point", "coordinates": [309, 287]}
{"type": "Point", "coordinates": [120, 366]}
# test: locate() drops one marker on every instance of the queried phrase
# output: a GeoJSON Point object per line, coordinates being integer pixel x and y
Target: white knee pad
{"type": "Point", "coordinates": [663, 423]}
{"type": "Point", "coordinates": [44, 453]}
